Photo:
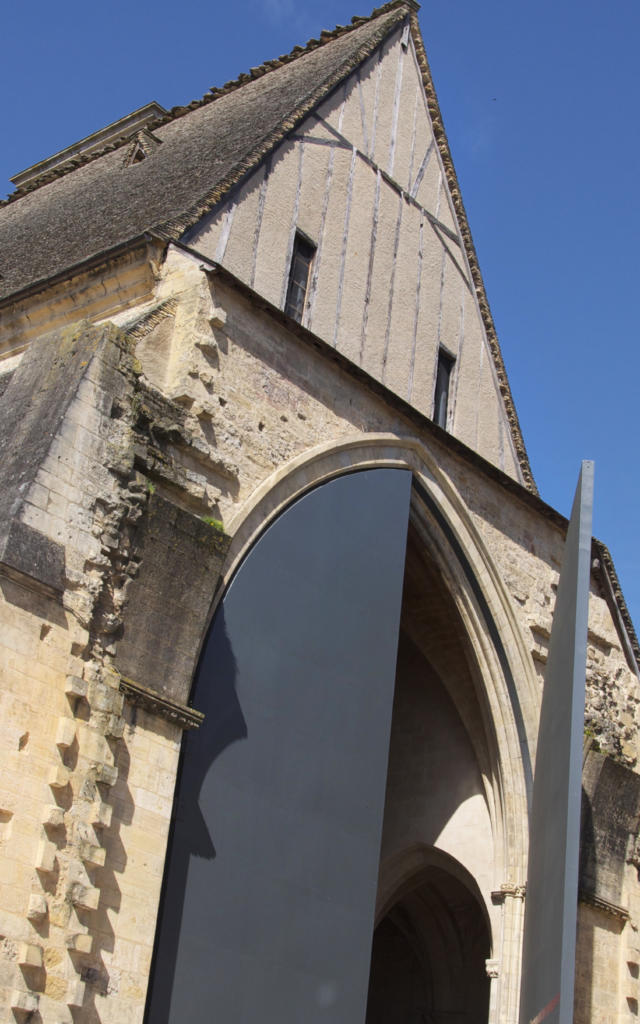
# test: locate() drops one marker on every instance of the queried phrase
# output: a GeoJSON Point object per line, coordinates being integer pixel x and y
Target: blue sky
{"type": "Point", "coordinates": [540, 105]}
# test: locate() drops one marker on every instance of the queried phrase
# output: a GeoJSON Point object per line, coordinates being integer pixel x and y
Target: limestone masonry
{"type": "Point", "coordinates": [206, 313]}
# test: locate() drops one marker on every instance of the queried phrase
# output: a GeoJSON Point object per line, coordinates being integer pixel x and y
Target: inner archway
{"type": "Point", "coordinates": [438, 853]}
{"type": "Point", "coordinates": [428, 955]}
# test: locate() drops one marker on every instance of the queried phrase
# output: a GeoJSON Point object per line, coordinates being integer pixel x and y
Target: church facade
{"type": "Point", "coordinates": [243, 335]}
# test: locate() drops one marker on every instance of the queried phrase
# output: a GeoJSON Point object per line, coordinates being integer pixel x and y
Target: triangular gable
{"type": "Point", "coordinates": [367, 177]}
{"type": "Point", "coordinates": [357, 42]}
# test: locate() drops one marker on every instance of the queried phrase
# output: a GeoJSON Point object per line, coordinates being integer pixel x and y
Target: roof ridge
{"type": "Point", "coordinates": [183, 223]}
{"type": "Point", "coordinates": [326, 36]}
{"type": "Point", "coordinates": [213, 94]}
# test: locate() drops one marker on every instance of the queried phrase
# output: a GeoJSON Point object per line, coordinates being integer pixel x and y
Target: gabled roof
{"type": "Point", "coordinates": [102, 200]}
{"type": "Point", "coordinates": [97, 202]}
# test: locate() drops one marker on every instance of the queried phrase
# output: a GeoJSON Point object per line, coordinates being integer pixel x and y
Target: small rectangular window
{"type": "Point", "coordinates": [301, 260]}
{"type": "Point", "coordinates": [443, 379]}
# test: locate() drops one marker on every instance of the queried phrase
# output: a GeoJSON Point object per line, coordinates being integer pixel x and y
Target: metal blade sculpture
{"type": "Point", "coordinates": [270, 889]}
{"type": "Point", "coordinates": [548, 966]}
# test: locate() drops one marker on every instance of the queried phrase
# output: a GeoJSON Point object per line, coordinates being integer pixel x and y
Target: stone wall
{"type": "Point", "coordinates": [527, 550]}
{"type": "Point", "coordinates": [173, 432]}
{"type": "Point", "coordinates": [88, 790]}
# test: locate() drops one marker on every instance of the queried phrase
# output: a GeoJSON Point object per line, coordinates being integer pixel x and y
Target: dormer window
{"type": "Point", "coordinates": [446, 363]}
{"type": "Point", "coordinates": [142, 146]}
{"type": "Point", "coordinates": [301, 260]}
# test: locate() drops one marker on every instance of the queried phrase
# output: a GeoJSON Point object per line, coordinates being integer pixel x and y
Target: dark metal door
{"type": "Point", "coordinates": [271, 883]}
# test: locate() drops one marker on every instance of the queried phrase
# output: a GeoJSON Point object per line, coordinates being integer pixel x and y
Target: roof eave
{"type": "Point", "coordinates": [604, 566]}
{"type": "Point", "coordinates": [143, 240]}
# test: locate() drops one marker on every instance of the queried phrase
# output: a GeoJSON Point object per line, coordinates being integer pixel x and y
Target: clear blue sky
{"type": "Point", "coordinates": [540, 102]}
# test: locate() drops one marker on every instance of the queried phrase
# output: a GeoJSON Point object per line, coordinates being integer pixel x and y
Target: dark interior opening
{"type": "Point", "coordinates": [428, 956]}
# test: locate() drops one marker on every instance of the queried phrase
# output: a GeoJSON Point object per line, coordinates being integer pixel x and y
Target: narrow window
{"type": "Point", "coordinates": [443, 377]}
{"type": "Point", "coordinates": [303, 252]}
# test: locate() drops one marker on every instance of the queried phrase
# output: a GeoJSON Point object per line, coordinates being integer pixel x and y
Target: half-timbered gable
{"type": "Point", "coordinates": [362, 180]}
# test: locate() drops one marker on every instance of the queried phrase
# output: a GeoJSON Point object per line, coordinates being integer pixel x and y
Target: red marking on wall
{"type": "Point", "coordinates": [546, 1011]}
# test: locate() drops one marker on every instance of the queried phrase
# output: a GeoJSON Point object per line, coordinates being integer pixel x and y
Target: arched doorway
{"type": "Point", "coordinates": [452, 639]}
{"type": "Point", "coordinates": [270, 883]}
{"type": "Point", "coordinates": [429, 952]}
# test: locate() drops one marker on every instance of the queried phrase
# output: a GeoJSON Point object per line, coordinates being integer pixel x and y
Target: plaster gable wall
{"type": "Point", "coordinates": [362, 177]}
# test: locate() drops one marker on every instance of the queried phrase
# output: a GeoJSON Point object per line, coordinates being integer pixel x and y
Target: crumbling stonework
{"type": "Point", "coordinates": [159, 410]}
{"type": "Point", "coordinates": [529, 560]}
{"type": "Point", "coordinates": [161, 446]}
{"type": "Point", "coordinates": [85, 497]}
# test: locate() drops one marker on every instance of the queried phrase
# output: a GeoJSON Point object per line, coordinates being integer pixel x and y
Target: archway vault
{"type": "Point", "coordinates": [431, 942]}
{"type": "Point", "coordinates": [401, 874]}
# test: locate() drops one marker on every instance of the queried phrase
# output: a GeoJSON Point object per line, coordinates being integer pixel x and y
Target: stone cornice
{"type": "Point", "coordinates": [606, 572]}
{"type": "Point", "coordinates": [157, 704]}
{"type": "Point", "coordinates": [609, 908]}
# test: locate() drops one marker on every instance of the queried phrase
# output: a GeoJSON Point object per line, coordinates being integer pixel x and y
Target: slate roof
{"type": "Point", "coordinates": [100, 203]}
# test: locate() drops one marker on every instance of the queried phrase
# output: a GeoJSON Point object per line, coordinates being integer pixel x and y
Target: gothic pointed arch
{"type": "Point", "coordinates": [473, 652]}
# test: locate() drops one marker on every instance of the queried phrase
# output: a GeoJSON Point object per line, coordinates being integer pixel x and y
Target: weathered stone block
{"type": "Point", "coordinates": [100, 816]}
{"type": "Point", "coordinates": [107, 774]}
{"type": "Point", "coordinates": [76, 687]}
{"type": "Point", "coordinates": [25, 1001]}
{"type": "Point", "coordinates": [92, 854]}
{"type": "Point", "coordinates": [86, 897]}
{"type": "Point", "coordinates": [46, 857]}
{"type": "Point", "coordinates": [66, 733]}
{"type": "Point", "coordinates": [59, 777]}
{"type": "Point", "coordinates": [75, 997]}
{"type": "Point", "coordinates": [30, 955]}
{"type": "Point", "coordinates": [32, 414]}
{"type": "Point", "coordinates": [610, 815]}
{"type": "Point", "coordinates": [37, 908]}
{"type": "Point", "coordinates": [80, 942]}
{"type": "Point", "coordinates": [167, 606]}
{"type": "Point", "coordinates": [53, 816]}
